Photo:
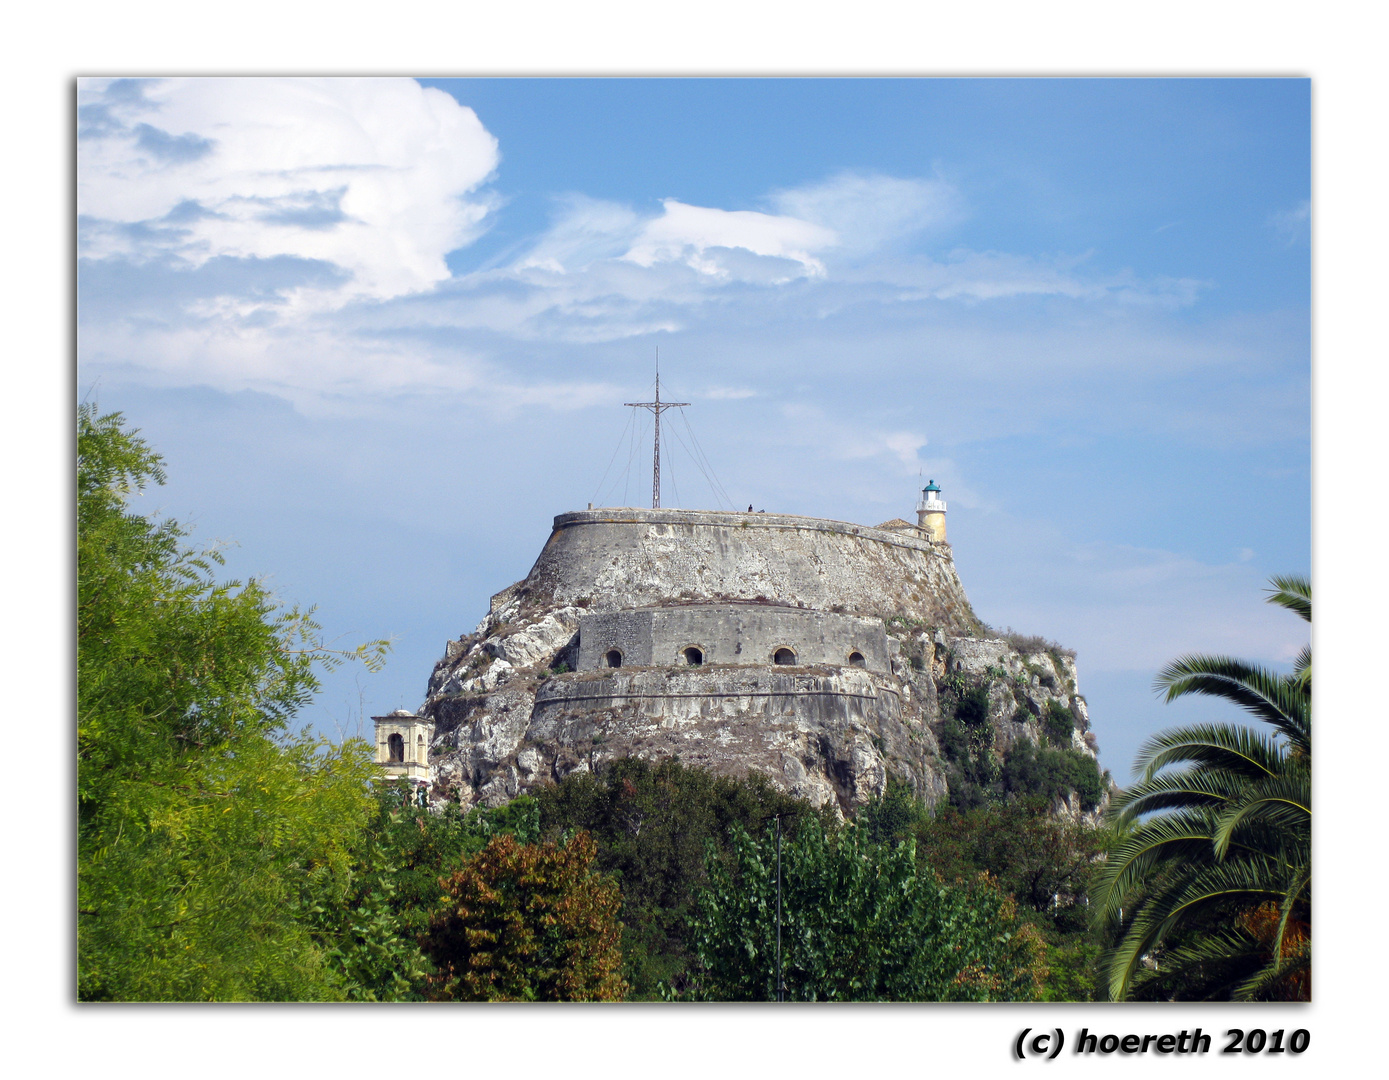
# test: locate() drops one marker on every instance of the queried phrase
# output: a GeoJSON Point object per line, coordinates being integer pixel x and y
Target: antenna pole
{"type": "Point", "coordinates": [657, 407]}
{"type": "Point", "coordinates": [656, 454]}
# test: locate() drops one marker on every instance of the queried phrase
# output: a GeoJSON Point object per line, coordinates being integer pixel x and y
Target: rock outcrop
{"type": "Point", "coordinates": [830, 720]}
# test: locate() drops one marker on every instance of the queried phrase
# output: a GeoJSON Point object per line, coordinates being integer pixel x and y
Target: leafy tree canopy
{"type": "Point", "coordinates": [860, 922]}
{"type": "Point", "coordinates": [653, 824]}
{"type": "Point", "coordinates": [369, 916]}
{"type": "Point", "coordinates": [200, 817]}
{"type": "Point", "coordinates": [528, 922]}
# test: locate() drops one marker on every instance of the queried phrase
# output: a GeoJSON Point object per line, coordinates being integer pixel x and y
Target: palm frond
{"type": "Point", "coordinates": [1192, 891]}
{"type": "Point", "coordinates": [1225, 747]}
{"type": "Point", "coordinates": [1293, 593]}
{"type": "Point", "coordinates": [1177, 838]}
{"type": "Point", "coordinates": [1217, 827]}
{"type": "Point", "coordinates": [1215, 961]}
{"type": "Point", "coordinates": [1261, 986]}
{"type": "Point", "coordinates": [1178, 789]}
{"type": "Point", "coordinates": [1273, 698]}
{"type": "Point", "coordinates": [1282, 804]}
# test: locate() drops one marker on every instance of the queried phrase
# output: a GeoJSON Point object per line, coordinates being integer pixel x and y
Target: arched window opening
{"type": "Point", "coordinates": [419, 750]}
{"type": "Point", "coordinates": [614, 658]}
{"type": "Point", "coordinates": [856, 658]}
{"type": "Point", "coordinates": [396, 746]}
{"type": "Point", "coordinates": [694, 656]}
{"type": "Point", "coordinates": [784, 656]}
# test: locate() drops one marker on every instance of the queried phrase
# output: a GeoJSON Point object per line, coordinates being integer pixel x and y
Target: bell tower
{"type": "Point", "coordinates": [930, 513]}
{"type": "Point", "coordinates": [402, 745]}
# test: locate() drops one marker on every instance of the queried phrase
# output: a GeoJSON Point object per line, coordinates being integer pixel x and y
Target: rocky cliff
{"type": "Point", "coordinates": [946, 705]}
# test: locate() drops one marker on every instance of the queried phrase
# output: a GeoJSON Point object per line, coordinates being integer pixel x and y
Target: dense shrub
{"type": "Point", "coordinates": [1058, 723]}
{"type": "Point", "coordinates": [1046, 863]}
{"type": "Point", "coordinates": [1030, 644]}
{"type": "Point", "coordinates": [527, 922]}
{"type": "Point", "coordinates": [369, 919]}
{"type": "Point", "coordinates": [860, 921]}
{"type": "Point", "coordinates": [653, 824]}
{"type": "Point", "coordinates": [1030, 771]}
{"type": "Point", "coordinates": [972, 707]}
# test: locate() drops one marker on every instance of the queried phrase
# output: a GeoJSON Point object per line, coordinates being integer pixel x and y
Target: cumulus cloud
{"type": "Point", "coordinates": [292, 234]}
{"type": "Point", "coordinates": [379, 178]}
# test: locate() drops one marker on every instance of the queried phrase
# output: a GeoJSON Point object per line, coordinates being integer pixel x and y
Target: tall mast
{"type": "Point", "coordinates": [657, 407]}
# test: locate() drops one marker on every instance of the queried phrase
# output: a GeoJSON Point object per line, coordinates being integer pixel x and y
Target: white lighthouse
{"type": "Point", "coordinates": [930, 512]}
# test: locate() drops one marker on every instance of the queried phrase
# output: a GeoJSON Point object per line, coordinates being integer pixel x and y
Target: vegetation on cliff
{"type": "Point", "coordinates": [979, 775]}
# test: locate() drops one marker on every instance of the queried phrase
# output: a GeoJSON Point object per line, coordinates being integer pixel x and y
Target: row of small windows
{"type": "Point", "coordinates": [694, 656]}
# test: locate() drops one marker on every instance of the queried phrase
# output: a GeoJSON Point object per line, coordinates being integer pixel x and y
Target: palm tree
{"type": "Point", "coordinates": [1208, 892]}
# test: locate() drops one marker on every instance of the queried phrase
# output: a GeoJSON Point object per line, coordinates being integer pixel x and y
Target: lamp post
{"type": "Point", "coordinates": [780, 985]}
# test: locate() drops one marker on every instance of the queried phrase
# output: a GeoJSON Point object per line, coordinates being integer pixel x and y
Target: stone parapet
{"type": "Point", "coordinates": [625, 515]}
{"type": "Point", "coordinates": [614, 558]}
{"type": "Point", "coordinates": [742, 634]}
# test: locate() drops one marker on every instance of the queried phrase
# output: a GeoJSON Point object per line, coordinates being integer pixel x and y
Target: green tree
{"type": "Point", "coordinates": [1044, 861]}
{"type": "Point", "coordinates": [860, 922]}
{"type": "Point", "coordinates": [1209, 892]}
{"type": "Point", "coordinates": [369, 916]}
{"type": "Point", "coordinates": [653, 824]}
{"type": "Point", "coordinates": [528, 922]}
{"type": "Point", "coordinates": [201, 819]}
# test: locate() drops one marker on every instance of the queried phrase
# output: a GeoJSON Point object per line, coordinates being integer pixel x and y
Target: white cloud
{"type": "Point", "coordinates": [1293, 225]}
{"type": "Point", "coordinates": [845, 441]}
{"type": "Point", "coordinates": [378, 177]}
{"type": "Point", "coordinates": [694, 234]}
{"type": "Point", "coordinates": [978, 276]}
{"type": "Point", "coordinates": [867, 211]}
{"type": "Point", "coordinates": [289, 235]}
{"type": "Point", "coordinates": [584, 231]}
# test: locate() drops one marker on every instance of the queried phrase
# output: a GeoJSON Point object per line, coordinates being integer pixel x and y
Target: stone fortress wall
{"type": "Point", "coordinates": [529, 696]}
{"type": "Point", "coordinates": [731, 633]}
{"type": "Point", "coordinates": [617, 558]}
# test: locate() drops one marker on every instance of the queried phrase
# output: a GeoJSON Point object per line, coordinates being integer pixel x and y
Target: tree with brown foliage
{"type": "Point", "coordinates": [528, 922]}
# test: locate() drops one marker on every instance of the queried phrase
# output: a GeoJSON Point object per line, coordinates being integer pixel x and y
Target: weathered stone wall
{"type": "Point", "coordinates": [513, 713]}
{"type": "Point", "coordinates": [827, 735]}
{"type": "Point", "coordinates": [731, 634]}
{"type": "Point", "coordinates": [606, 560]}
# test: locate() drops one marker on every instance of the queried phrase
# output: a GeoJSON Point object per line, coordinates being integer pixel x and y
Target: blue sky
{"type": "Point", "coordinates": [382, 331]}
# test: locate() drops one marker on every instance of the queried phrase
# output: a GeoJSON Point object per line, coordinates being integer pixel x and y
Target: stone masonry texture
{"type": "Point", "coordinates": [528, 696]}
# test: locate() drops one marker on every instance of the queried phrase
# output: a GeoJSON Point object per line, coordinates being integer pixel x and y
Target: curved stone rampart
{"type": "Point", "coordinates": [615, 558]}
{"type": "Point", "coordinates": [815, 733]}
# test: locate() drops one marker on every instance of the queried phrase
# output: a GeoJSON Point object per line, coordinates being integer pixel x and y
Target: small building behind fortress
{"type": "Point", "coordinates": [810, 650]}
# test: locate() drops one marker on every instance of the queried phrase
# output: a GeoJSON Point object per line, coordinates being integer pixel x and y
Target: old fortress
{"type": "Point", "coordinates": [806, 649]}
